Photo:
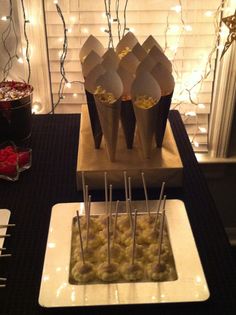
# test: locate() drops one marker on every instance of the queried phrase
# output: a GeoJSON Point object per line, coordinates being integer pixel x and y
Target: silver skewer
{"type": "Point", "coordinates": [3, 280]}
{"type": "Point", "coordinates": [5, 235]}
{"type": "Point", "coordinates": [5, 255]}
{"type": "Point", "coordinates": [145, 193]}
{"type": "Point", "coordinates": [6, 225]}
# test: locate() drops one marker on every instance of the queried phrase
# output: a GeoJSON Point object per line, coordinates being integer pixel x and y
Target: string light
{"type": "Point", "coordinates": [62, 54]}
{"type": "Point", "coordinates": [177, 8]}
{"type": "Point", "coordinates": [5, 37]}
{"type": "Point", "coordinates": [5, 18]}
{"type": "Point", "coordinates": [202, 129]}
{"type": "Point", "coordinates": [27, 57]}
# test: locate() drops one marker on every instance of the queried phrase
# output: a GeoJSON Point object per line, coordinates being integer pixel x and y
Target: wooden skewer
{"type": "Point", "coordinates": [88, 220]}
{"type": "Point", "coordinates": [126, 191]}
{"type": "Point", "coordinates": [2, 248]}
{"type": "Point", "coordinates": [134, 237]}
{"type": "Point", "coordinates": [159, 205]}
{"type": "Point", "coordinates": [115, 223]}
{"type": "Point", "coordinates": [108, 242]}
{"type": "Point", "coordinates": [6, 225]}
{"type": "Point", "coordinates": [106, 191]}
{"type": "Point", "coordinates": [80, 236]}
{"type": "Point", "coordinates": [145, 193]}
{"type": "Point", "coordinates": [6, 235]}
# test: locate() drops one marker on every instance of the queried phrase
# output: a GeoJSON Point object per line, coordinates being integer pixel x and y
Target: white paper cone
{"type": "Point", "coordinates": [127, 79]}
{"type": "Point", "coordinates": [158, 56]}
{"type": "Point", "coordinates": [139, 52]}
{"type": "Point", "coordinates": [109, 114]}
{"type": "Point", "coordinates": [151, 42]}
{"type": "Point", "coordinates": [145, 84]}
{"type": "Point", "coordinates": [164, 78]}
{"type": "Point", "coordinates": [91, 43]}
{"type": "Point", "coordinates": [130, 62]}
{"type": "Point", "coordinates": [90, 62]}
{"type": "Point", "coordinates": [110, 60]}
{"type": "Point", "coordinates": [90, 83]}
{"type": "Point", "coordinates": [146, 65]}
{"type": "Point", "coordinates": [129, 40]}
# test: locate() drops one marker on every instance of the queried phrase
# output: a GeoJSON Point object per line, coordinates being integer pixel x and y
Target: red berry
{"type": "Point", "coordinates": [8, 169]}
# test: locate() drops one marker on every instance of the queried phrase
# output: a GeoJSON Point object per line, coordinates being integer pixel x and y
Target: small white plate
{"type": "Point", "coordinates": [55, 290]}
{"type": "Point", "coordinates": [4, 219]}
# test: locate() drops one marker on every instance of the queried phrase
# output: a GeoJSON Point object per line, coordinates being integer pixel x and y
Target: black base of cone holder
{"type": "Point", "coordinates": [128, 122]}
{"type": "Point", "coordinates": [163, 108]}
{"type": "Point", "coordinates": [94, 120]}
{"type": "Point", "coordinates": [164, 165]}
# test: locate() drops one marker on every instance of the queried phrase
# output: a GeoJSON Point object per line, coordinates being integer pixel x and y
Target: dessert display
{"type": "Point", "coordinates": [96, 269]}
{"type": "Point", "coordinates": [130, 60]}
{"type": "Point", "coordinates": [122, 245]}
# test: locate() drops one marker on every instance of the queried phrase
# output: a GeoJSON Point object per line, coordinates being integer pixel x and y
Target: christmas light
{"type": "Point", "coordinates": [75, 94]}
{"type": "Point", "coordinates": [196, 144]}
{"type": "Point", "coordinates": [188, 28]}
{"type": "Point", "coordinates": [202, 106]}
{"type": "Point", "coordinates": [68, 85]}
{"type": "Point", "coordinates": [177, 8]}
{"type": "Point", "coordinates": [191, 114]}
{"type": "Point", "coordinates": [202, 129]}
{"type": "Point", "coordinates": [20, 60]}
{"type": "Point", "coordinates": [5, 18]}
{"type": "Point", "coordinates": [208, 13]}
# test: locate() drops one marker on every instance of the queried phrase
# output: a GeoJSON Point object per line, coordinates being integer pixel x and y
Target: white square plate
{"type": "Point", "coordinates": [55, 290]}
{"type": "Point", "coordinates": [4, 219]}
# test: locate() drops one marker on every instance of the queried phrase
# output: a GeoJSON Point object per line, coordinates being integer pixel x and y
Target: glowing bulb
{"type": "Point", "coordinates": [202, 129]}
{"type": "Point", "coordinates": [61, 39]}
{"type": "Point", "coordinates": [55, 1]}
{"type": "Point", "coordinates": [104, 15]}
{"type": "Point", "coordinates": [174, 28]}
{"type": "Point", "coordinates": [132, 29]}
{"type": "Point", "coordinates": [174, 48]}
{"type": "Point", "coordinates": [20, 60]}
{"type": "Point", "coordinates": [73, 19]}
{"type": "Point", "coordinates": [75, 94]}
{"type": "Point", "coordinates": [177, 8]}
{"type": "Point", "coordinates": [69, 30]}
{"type": "Point", "coordinates": [4, 18]}
{"type": "Point", "coordinates": [60, 53]}
{"type": "Point", "coordinates": [221, 47]}
{"type": "Point", "coordinates": [196, 144]}
{"type": "Point", "coordinates": [102, 29]}
{"type": "Point", "coordinates": [208, 13]}
{"type": "Point", "coordinates": [85, 30]}
{"type": "Point", "coordinates": [201, 106]}
{"type": "Point", "coordinates": [191, 114]}
{"type": "Point", "coordinates": [188, 28]}
{"type": "Point", "coordinates": [36, 107]}
{"type": "Point", "coordinates": [68, 85]}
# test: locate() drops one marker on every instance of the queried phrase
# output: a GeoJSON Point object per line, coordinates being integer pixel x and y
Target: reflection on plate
{"type": "Point", "coordinates": [56, 291]}
{"type": "Point", "coordinates": [4, 219]}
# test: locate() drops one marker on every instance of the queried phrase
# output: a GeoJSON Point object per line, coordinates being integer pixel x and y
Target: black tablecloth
{"type": "Point", "coordinates": [52, 180]}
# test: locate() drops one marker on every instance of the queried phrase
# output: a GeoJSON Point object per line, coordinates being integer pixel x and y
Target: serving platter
{"type": "Point", "coordinates": [4, 219]}
{"type": "Point", "coordinates": [56, 291]}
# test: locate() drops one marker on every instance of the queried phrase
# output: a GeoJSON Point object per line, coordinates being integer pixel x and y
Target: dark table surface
{"type": "Point", "coordinates": [52, 179]}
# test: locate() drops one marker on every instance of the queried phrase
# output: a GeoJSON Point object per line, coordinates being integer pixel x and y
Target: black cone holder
{"type": "Point", "coordinates": [163, 108]}
{"type": "Point", "coordinates": [128, 122]}
{"type": "Point", "coordinates": [94, 120]}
